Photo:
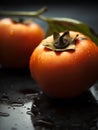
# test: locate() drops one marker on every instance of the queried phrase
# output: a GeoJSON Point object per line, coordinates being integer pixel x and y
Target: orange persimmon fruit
{"type": "Point", "coordinates": [65, 64]}
{"type": "Point", "coordinates": [17, 41]}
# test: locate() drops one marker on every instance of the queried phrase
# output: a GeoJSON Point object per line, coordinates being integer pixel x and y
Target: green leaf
{"type": "Point", "coordinates": [61, 24]}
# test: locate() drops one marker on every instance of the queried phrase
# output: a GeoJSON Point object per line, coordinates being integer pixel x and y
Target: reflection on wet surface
{"type": "Point", "coordinates": [24, 106]}
{"type": "Point", "coordinates": [76, 114]}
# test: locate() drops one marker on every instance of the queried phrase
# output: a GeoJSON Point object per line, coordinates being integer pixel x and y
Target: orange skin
{"type": "Point", "coordinates": [65, 74]}
{"type": "Point", "coordinates": [17, 41]}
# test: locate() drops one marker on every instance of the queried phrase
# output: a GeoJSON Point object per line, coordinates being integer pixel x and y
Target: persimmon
{"type": "Point", "coordinates": [17, 41]}
{"type": "Point", "coordinates": [65, 64]}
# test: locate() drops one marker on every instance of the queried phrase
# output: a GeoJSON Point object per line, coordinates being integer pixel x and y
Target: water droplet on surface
{"type": "Point", "coordinates": [15, 124]}
{"type": "Point", "coordinates": [4, 94]}
{"type": "Point", "coordinates": [4, 98]}
{"type": "Point", "coordinates": [24, 106]}
{"type": "Point", "coordinates": [30, 113]}
{"type": "Point", "coordinates": [19, 99]}
{"type": "Point", "coordinates": [17, 104]}
{"type": "Point", "coordinates": [33, 95]}
{"type": "Point", "coordinates": [28, 91]}
{"type": "Point", "coordinates": [4, 114]}
{"type": "Point", "coordinates": [93, 124]}
{"type": "Point", "coordinates": [35, 110]}
{"type": "Point", "coordinates": [44, 123]}
{"type": "Point", "coordinates": [28, 108]}
{"type": "Point", "coordinates": [9, 107]}
{"type": "Point", "coordinates": [13, 128]}
{"type": "Point", "coordinates": [37, 101]}
{"type": "Point", "coordinates": [41, 92]}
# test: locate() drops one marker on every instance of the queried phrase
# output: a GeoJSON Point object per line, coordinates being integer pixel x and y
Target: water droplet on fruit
{"type": "Point", "coordinates": [12, 32]}
{"type": "Point", "coordinates": [89, 53]}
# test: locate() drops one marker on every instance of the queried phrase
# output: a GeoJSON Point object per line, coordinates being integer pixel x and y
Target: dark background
{"type": "Point", "coordinates": [22, 2]}
{"type": "Point", "coordinates": [18, 90]}
{"type": "Point", "coordinates": [84, 10]}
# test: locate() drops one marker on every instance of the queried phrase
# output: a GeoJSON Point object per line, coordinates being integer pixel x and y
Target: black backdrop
{"type": "Point", "coordinates": [79, 114]}
{"type": "Point", "coordinates": [40, 2]}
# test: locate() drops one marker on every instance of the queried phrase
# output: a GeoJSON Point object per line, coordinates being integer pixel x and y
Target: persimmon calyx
{"type": "Point", "coordinates": [61, 43]}
{"type": "Point", "coordinates": [22, 21]}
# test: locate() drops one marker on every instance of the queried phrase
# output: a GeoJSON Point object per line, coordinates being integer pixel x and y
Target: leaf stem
{"type": "Point", "coordinates": [23, 13]}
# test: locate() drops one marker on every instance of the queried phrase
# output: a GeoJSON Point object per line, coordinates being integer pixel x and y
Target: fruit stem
{"type": "Point", "coordinates": [63, 41]}
{"type": "Point", "coordinates": [23, 13]}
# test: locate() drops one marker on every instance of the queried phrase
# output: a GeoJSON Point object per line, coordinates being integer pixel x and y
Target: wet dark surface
{"type": "Point", "coordinates": [23, 105]}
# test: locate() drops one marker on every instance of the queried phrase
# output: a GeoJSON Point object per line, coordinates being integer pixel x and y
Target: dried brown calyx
{"type": "Point", "coordinates": [62, 42]}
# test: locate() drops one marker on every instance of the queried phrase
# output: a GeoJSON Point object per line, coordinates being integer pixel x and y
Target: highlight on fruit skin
{"type": "Point", "coordinates": [69, 72]}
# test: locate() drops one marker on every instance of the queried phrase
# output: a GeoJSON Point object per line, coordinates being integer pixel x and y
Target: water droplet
{"type": "Point", "coordinates": [11, 33]}
{"type": "Point", "coordinates": [19, 99]}
{"type": "Point", "coordinates": [35, 110]}
{"type": "Point", "coordinates": [21, 112]}
{"type": "Point", "coordinates": [28, 108]}
{"type": "Point", "coordinates": [33, 95]}
{"type": "Point", "coordinates": [41, 92]}
{"type": "Point", "coordinates": [4, 114]}
{"type": "Point", "coordinates": [89, 54]}
{"type": "Point", "coordinates": [44, 123]}
{"type": "Point", "coordinates": [93, 124]}
{"type": "Point", "coordinates": [4, 94]}
{"type": "Point", "coordinates": [30, 113]}
{"type": "Point", "coordinates": [15, 124]}
{"type": "Point", "coordinates": [37, 101]}
{"type": "Point", "coordinates": [5, 98]}
{"type": "Point", "coordinates": [17, 104]}
{"type": "Point", "coordinates": [9, 107]}
{"type": "Point", "coordinates": [13, 128]}
{"type": "Point", "coordinates": [24, 106]}
{"type": "Point", "coordinates": [30, 93]}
